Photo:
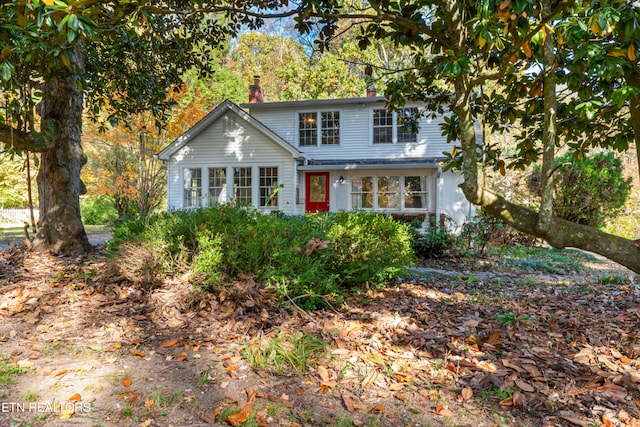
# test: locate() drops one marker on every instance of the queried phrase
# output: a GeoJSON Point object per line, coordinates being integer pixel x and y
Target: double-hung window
{"type": "Point", "coordinates": [415, 192]}
{"type": "Point", "coordinates": [217, 185]}
{"type": "Point", "coordinates": [318, 128]}
{"type": "Point", "coordinates": [242, 187]}
{"type": "Point", "coordinates": [388, 192]}
{"type": "Point", "coordinates": [398, 126]}
{"type": "Point", "coordinates": [192, 187]}
{"type": "Point", "coordinates": [406, 125]}
{"type": "Point", "coordinates": [268, 187]}
{"type": "Point", "coordinates": [382, 127]}
{"type": "Point", "coordinates": [362, 192]}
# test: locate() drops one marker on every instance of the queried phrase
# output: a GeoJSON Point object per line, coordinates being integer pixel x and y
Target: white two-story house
{"type": "Point", "coordinates": [315, 155]}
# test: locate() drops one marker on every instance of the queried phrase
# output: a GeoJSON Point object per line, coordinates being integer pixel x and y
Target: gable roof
{"type": "Point", "coordinates": [215, 114]}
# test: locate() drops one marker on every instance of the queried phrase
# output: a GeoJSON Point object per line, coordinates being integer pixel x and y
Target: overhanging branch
{"type": "Point", "coordinates": [34, 142]}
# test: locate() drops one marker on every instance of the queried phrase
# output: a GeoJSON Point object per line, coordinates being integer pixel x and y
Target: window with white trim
{"type": "Point", "coordinates": [217, 185]}
{"type": "Point", "coordinates": [362, 192]}
{"type": "Point", "coordinates": [415, 192]}
{"type": "Point", "coordinates": [318, 128]}
{"type": "Point", "coordinates": [405, 121]}
{"type": "Point", "coordinates": [192, 187]}
{"type": "Point", "coordinates": [308, 129]}
{"type": "Point", "coordinates": [394, 127]}
{"type": "Point", "coordinates": [382, 127]}
{"type": "Point", "coordinates": [242, 190]}
{"type": "Point", "coordinates": [268, 186]}
{"type": "Point", "coordinates": [390, 193]}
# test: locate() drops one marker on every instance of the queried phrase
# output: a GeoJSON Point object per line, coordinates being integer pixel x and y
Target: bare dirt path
{"type": "Point", "coordinates": [443, 348]}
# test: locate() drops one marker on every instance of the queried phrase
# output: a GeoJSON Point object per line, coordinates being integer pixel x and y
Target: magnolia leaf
{"type": "Point", "coordinates": [441, 410]}
{"type": "Point", "coordinates": [466, 393]}
{"type": "Point", "coordinates": [169, 343]}
{"type": "Point", "coordinates": [348, 402]}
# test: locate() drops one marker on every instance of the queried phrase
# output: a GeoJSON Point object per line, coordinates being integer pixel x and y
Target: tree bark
{"type": "Point", "coordinates": [633, 79]}
{"type": "Point", "coordinates": [60, 228]}
{"type": "Point", "coordinates": [549, 134]}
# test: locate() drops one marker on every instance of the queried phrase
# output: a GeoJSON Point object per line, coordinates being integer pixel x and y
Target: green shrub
{"type": "Point", "coordinates": [208, 258]}
{"type": "Point", "coordinates": [430, 242]}
{"type": "Point", "coordinates": [98, 210]}
{"type": "Point", "coordinates": [307, 259]}
{"type": "Point", "coordinates": [368, 248]}
{"type": "Point", "coordinates": [587, 190]}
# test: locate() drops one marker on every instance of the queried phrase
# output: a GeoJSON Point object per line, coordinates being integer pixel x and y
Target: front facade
{"type": "Point", "coordinates": [318, 155]}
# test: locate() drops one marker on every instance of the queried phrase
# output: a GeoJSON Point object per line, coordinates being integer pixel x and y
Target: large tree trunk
{"type": "Point", "coordinates": [559, 233]}
{"type": "Point", "coordinates": [633, 79]}
{"type": "Point", "coordinates": [60, 229]}
{"type": "Point", "coordinates": [549, 134]}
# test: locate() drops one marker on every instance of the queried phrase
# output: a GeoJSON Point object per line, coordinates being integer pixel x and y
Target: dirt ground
{"type": "Point", "coordinates": [453, 345]}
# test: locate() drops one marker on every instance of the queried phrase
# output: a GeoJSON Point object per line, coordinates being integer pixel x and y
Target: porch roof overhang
{"type": "Point", "coordinates": [364, 164]}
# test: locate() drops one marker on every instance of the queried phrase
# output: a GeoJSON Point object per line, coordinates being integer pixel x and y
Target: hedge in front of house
{"type": "Point", "coordinates": [314, 258]}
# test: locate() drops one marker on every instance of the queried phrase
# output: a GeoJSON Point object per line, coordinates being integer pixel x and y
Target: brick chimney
{"type": "Point", "coordinates": [371, 89]}
{"type": "Point", "coordinates": [255, 91]}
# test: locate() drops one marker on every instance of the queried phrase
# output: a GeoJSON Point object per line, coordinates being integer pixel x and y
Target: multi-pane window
{"type": "Point", "coordinates": [330, 130]}
{"type": "Point", "coordinates": [362, 192]}
{"type": "Point", "coordinates": [268, 185]}
{"type": "Point", "coordinates": [308, 129]}
{"type": "Point", "coordinates": [192, 187]}
{"type": "Point", "coordinates": [382, 127]}
{"type": "Point", "coordinates": [392, 193]}
{"type": "Point", "coordinates": [319, 128]}
{"type": "Point", "coordinates": [388, 192]}
{"type": "Point", "coordinates": [217, 185]}
{"type": "Point", "coordinates": [415, 192]}
{"type": "Point", "coordinates": [397, 126]}
{"type": "Point", "coordinates": [406, 118]}
{"type": "Point", "coordinates": [242, 186]}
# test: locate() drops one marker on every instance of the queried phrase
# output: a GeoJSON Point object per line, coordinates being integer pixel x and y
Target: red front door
{"type": "Point", "coordinates": [317, 192]}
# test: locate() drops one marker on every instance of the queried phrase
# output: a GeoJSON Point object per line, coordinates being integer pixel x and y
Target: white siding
{"type": "Point", "coordinates": [356, 134]}
{"type": "Point", "coordinates": [229, 142]}
{"type": "Point", "coordinates": [452, 200]}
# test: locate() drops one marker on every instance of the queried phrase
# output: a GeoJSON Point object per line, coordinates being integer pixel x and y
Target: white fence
{"type": "Point", "coordinates": [17, 215]}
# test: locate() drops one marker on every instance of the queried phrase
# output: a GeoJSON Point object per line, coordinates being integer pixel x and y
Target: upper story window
{"type": "Point", "coordinates": [318, 128]}
{"type": "Point", "coordinates": [396, 126]}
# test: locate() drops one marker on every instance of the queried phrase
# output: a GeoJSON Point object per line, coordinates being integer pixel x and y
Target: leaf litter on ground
{"type": "Point", "coordinates": [535, 349]}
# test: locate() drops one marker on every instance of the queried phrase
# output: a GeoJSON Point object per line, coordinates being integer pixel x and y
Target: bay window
{"type": "Point", "coordinates": [390, 193]}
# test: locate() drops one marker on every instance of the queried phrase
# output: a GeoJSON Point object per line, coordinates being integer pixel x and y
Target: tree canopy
{"type": "Point", "coordinates": [564, 72]}
{"type": "Point", "coordinates": [59, 57]}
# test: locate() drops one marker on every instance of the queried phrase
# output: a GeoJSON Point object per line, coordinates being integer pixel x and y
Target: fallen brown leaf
{"type": "Point", "coordinates": [441, 410]}
{"type": "Point", "coordinates": [466, 393]}
{"type": "Point", "coordinates": [348, 402]}
{"type": "Point", "coordinates": [169, 343]}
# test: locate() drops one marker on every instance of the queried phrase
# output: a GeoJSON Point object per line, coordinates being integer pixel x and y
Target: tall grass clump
{"type": "Point", "coordinates": [311, 259]}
